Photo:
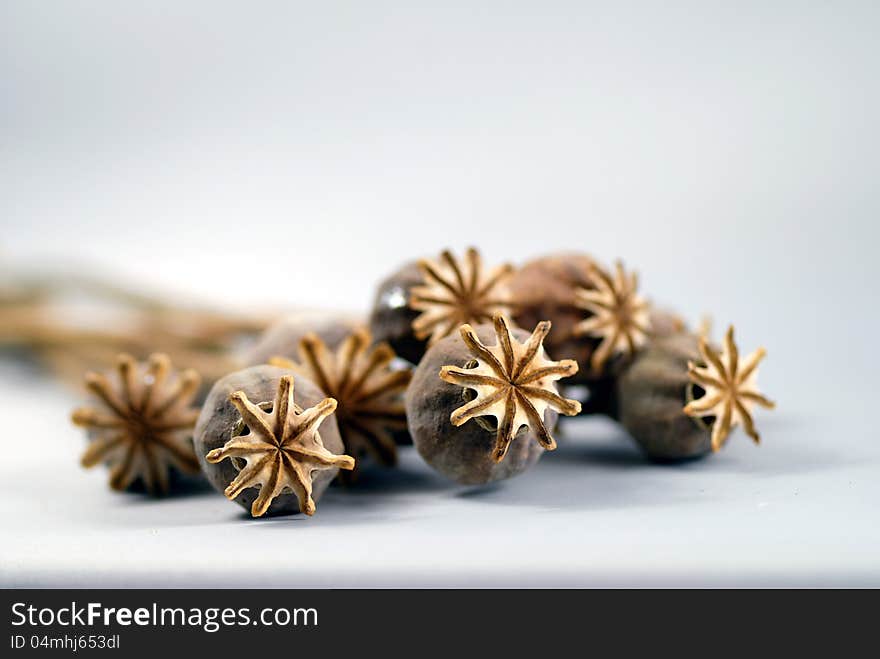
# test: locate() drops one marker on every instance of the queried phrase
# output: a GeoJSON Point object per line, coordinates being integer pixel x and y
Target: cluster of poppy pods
{"type": "Point", "coordinates": [471, 364]}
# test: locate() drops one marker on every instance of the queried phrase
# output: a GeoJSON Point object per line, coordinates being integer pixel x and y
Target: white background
{"type": "Point", "coordinates": [291, 154]}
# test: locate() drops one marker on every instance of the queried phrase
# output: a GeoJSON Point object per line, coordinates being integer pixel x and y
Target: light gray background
{"type": "Point", "coordinates": [726, 150]}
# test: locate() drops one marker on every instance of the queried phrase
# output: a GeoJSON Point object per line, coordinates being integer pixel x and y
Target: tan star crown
{"type": "Point", "coordinates": [455, 292]}
{"type": "Point", "coordinates": [143, 424]}
{"type": "Point", "coordinates": [514, 382]}
{"type": "Point", "coordinates": [369, 391]}
{"type": "Point", "coordinates": [730, 383]}
{"type": "Point", "coordinates": [281, 450]}
{"type": "Point", "coordinates": [620, 316]}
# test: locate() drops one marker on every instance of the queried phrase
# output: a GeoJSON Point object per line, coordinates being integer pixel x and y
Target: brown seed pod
{"type": "Point", "coordinates": [680, 398]}
{"type": "Point", "coordinates": [546, 288]}
{"type": "Point", "coordinates": [665, 323]}
{"type": "Point", "coordinates": [729, 387]}
{"type": "Point", "coordinates": [141, 423]}
{"type": "Point", "coordinates": [488, 372]}
{"type": "Point", "coordinates": [282, 338]}
{"type": "Point", "coordinates": [598, 316]}
{"type": "Point", "coordinates": [392, 316]}
{"type": "Point", "coordinates": [265, 449]}
{"type": "Point", "coordinates": [422, 303]}
{"type": "Point", "coordinates": [368, 389]}
{"type": "Point", "coordinates": [617, 316]}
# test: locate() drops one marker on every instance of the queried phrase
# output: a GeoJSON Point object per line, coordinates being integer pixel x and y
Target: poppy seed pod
{"type": "Point", "coordinates": [282, 338]}
{"type": "Point", "coordinates": [545, 288]}
{"type": "Point", "coordinates": [651, 395]}
{"type": "Point", "coordinates": [602, 319]}
{"type": "Point", "coordinates": [140, 424]}
{"type": "Point", "coordinates": [429, 300]}
{"type": "Point", "coordinates": [481, 403]}
{"type": "Point", "coordinates": [269, 441]}
{"type": "Point", "coordinates": [392, 316]}
{"type": "Point", "coordinates": [681, 397]}
{"type": "Point", "coordinates": [368, 386]}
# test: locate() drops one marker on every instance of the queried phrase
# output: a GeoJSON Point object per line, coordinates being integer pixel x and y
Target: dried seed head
{"type": "Point", "coordinates": [620, 317]}
{"type": "Point", "coordinates": [284, 335]}
{"type": "Point", "coordinates": [142, 423]}
{"type": "Point", "coordinates": [282, 449]}
{"type": "Point", "coordinates": [369, 391]}
{"type": "Point", "coordinates": [648, 395]}
{"type": "Point", "coordinates": [514, 382]}
{"type": "Point", "coordinates": [730, 383]}
{"type": "Point", "coordinates": [455, 292]}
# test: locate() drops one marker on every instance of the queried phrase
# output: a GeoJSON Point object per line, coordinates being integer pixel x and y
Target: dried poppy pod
{"type": "Point", "coordinates": [681, 398]}
{"type": "Point", "coordinates": [264, 450]}
{"type": "Point", "coordinates": [545, 288]}
{"type": "Point", "coordinates": [367, 387]}
{"type": "Point", "coordinates": [618, 317]}
{"type": "Point", "coordinates": [282, 338]}
{"type": "Point", "coordinates": [426, 301]}
{"type": "Point", "coordinates": [481, 404]}
{"type": "Point", "coordinates": [598, 316]}
{"type": "Point", "coordinates": [392, 316]}
{"type": "Point", "coordinates": [666, 323]}
{"type": "Point", "coordinates": [141, 423]}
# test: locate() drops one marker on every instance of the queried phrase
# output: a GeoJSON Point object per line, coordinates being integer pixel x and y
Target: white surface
{"type": "Point", "coordinates": [296, 153]}
{"type": "Point", "coordinates": [800, 510]}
